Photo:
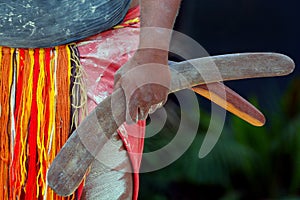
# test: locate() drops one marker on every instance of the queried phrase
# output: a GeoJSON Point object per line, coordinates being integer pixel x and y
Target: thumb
{"type": "Point", "coordinates": [117, 80]}
{"type": "Point", "coordinates": [131, 112]}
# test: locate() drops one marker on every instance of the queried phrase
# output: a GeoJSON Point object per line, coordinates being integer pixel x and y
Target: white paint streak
{"type": "Point", "coordinates": [93, 9]}
{"type": "Point", "coordinates": [99, 98]}
{"type": "Point", "coordinates": [32, 24]}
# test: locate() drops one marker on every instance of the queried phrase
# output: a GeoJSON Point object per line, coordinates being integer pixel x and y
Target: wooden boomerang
{"type": "Point", "coordinates": [231, 101]}
{"type": "Point", "coordinates": [75, 157]}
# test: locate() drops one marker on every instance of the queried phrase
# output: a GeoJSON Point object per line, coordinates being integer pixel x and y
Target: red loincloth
{"type": "Point", "coordinates": [101, 56]}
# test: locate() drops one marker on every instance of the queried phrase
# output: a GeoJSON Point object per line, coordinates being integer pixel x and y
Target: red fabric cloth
{"type": "Point", "coordinates": [101, 56]}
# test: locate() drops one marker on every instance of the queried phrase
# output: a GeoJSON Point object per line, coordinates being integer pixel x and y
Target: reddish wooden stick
{"type": "Point", "coordinates": [232, 102]}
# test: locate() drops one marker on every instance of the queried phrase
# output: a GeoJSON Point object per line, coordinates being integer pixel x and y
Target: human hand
{"type": "Point", "coordinates": [145, 81]}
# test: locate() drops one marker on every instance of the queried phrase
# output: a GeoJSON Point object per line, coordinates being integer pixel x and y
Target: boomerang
{"type": "Point", "coordinates": [203, 75]}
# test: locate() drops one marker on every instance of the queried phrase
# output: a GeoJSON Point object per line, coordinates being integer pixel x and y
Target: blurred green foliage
{"type": "Point", "coordinates": [247, 163]}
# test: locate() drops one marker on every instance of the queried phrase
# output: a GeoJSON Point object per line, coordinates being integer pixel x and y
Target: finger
{"type": "Point", "coordinates": [143, 112]}
{"type": "Point", "coordinates": [160, 104]}
{"type": "Point", "coordinates": [234, 103]}
{"type": "Point", "coordinates": [117, 82]}
{"type": "Point", "coordinates": [131, 114]}
{"type": "Point", "coordinates": [154, 107]}
{"type": "Point", "coordinates": [161, 96]}
{"type": "Point", "coordinates": [165, 100]}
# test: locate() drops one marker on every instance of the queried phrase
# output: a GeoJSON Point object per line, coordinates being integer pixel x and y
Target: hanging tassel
{"type": "Point", "coordinates": [50, 114]}
{"type": "Point", "coordinates": [46, 113]}
{"type": "Point", "coordinates": [63, 74]}
{"type": "Point", "coordinates": [42, 134]}
{"type": "Point", "coordinates": [22, 117]}
{"type": "Point", "coordinates": [6, 73]}
{"type": "Point", "coordinates": [34, 128]}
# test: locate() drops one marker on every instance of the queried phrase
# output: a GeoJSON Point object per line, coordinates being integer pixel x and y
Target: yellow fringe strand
{"type": "Point", "coordinates": [41, 182]}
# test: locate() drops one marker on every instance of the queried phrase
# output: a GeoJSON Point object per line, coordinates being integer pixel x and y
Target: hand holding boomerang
{"type": "Point", "coordinates": [70, 165]}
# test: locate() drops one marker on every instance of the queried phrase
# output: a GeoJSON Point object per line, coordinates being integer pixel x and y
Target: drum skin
{"type": "Point", "coordinates": [44, 23]}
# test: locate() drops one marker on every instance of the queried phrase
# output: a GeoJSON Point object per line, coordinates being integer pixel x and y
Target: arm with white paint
{"type": "Point", "coordinates": [145, 79]}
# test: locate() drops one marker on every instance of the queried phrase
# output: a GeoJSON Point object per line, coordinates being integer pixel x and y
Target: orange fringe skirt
{"type": "Point", "coordinates": [41, 93]}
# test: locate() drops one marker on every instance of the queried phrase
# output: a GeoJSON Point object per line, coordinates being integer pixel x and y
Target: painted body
{"type": "Point", "coordinates": [31, 24]}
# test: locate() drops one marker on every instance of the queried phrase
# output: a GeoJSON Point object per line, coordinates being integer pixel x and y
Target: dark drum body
{"type": "Point", "coordinates": [44, 23]}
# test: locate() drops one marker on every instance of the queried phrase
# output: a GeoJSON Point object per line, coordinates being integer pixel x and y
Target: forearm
{"type": "Point", "coordinates": [160, 15]}
{"type": "Point", "coordinates": [145, 78]}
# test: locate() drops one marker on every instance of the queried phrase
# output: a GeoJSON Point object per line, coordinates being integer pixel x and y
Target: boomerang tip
{"type": "Point", "coordinates": [259, 121]}
{"type": "Point", "coordinates": [287, 64]}
{"type": "Point", "coordinates": [232, 102]}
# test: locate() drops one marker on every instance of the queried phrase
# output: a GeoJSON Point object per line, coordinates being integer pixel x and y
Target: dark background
{"type": "Point", "coordinates": [237, 26]}
{"type": "Point", "coordinates": [269, 167]}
